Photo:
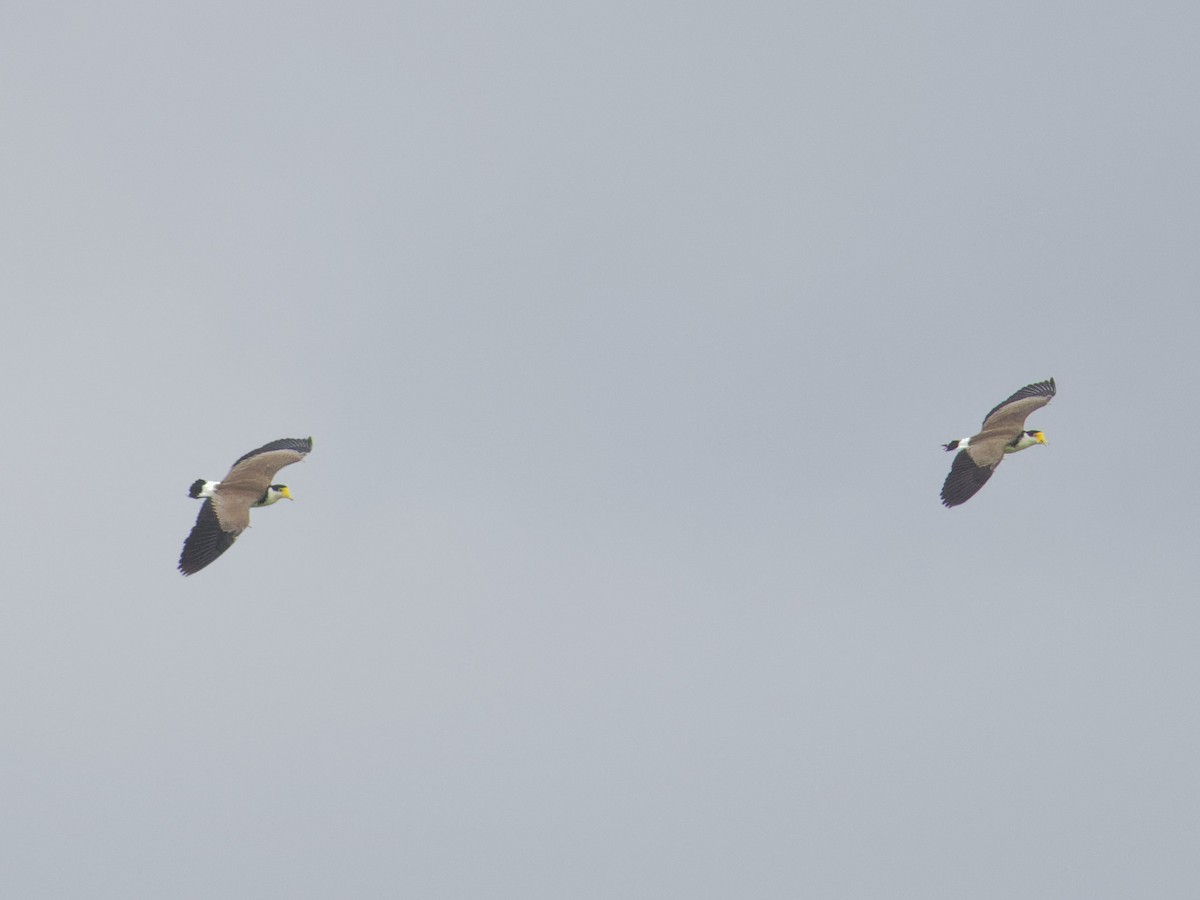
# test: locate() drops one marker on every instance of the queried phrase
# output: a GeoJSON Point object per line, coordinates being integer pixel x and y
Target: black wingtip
{"type": "Point", "coordinates": [1037, 389]}
{"type": "Point", "coordinates": [206, 541]}
{"type": "Point", "coordinates": [300, 445]}
{"type": "Point", "coordinates": [965, 480]}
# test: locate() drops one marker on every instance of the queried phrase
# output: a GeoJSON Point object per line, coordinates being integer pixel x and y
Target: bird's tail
{"type": "Point", "coordinates": [196, 488]}
{"type": "Point", "coordinates": [953, 445]}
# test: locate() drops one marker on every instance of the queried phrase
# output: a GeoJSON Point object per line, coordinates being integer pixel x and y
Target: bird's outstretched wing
{"type": "Point", "coordinates": [965, 479]}
{"type": "Point", "coordinates": [250, 477]}
{"type": "Point", "coordinates": [1014, 410]}
{"type": "Point", "coordinates": [300, 445]}
{"type": "Point", "coordinates": [206, 542]}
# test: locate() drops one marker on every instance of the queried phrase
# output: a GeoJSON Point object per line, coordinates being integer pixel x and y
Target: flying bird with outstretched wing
{"type": "Point", "coordinates": [1003, 432]}
{"type": "Point", "coordinates": [227, 503]}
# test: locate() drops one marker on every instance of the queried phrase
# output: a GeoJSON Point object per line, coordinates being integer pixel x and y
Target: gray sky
{"type": "Point", "coordinates": [627, 334]}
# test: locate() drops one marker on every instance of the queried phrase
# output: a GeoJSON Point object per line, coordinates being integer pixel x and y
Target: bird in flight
{"type": "Point", "coordinates": [1003, 432]}
{"type": "Point", "coordinates": [227, 503]}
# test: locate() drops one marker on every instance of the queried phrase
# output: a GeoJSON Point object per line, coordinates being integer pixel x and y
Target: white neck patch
{"type": "Point", "coordinates": [1025, 441]}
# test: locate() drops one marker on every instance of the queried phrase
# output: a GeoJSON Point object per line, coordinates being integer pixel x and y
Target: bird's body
{"type": "Point", "coordinates": [227, 503]}
{"type": "Point", "coordinates": [1003, 432]}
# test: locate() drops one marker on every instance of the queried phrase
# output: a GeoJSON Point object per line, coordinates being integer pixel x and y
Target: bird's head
{"type": "Point", "coordinates": [277, 492]}
{"type": "Point", "coordinates": [1025, 439]}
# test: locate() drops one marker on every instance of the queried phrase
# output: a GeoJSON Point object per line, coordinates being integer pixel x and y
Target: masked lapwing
{"type": "Point", "coordinates": [1003, 432]}
{"type": "Point", "coordinates": [227, 503]}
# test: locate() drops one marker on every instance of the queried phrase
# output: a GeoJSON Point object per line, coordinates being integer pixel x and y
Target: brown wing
{"type": "Point", "coordinates": [248, 480]}
{"type": "Point", "coordinates": [231, 507]}
{"type": "Point", "coordinates": [257, 472]}
{"type": "Point", "coordinates": [1011, 414]}
{"type": "Point", "coordinates": [987, 447]}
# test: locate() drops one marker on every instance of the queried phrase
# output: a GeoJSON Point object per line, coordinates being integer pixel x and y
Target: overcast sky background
{"type": "Point", "coordinates": [627, 334]}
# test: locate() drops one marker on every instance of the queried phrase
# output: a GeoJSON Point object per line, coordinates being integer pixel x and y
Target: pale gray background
{"type": "Point", "coordinates": [628, 334]}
